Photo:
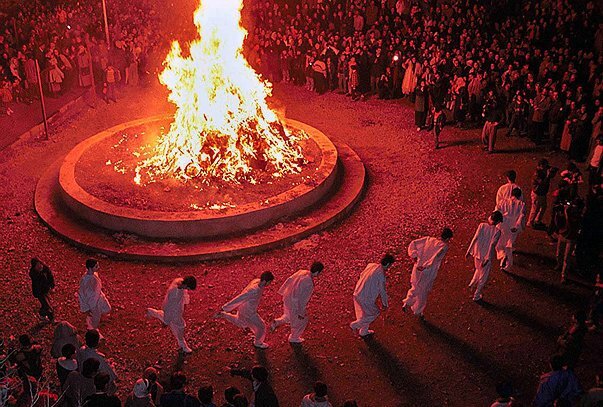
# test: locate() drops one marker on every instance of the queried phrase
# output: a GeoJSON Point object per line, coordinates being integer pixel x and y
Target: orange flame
{"type": "Point", "coordinates": [223, 127]}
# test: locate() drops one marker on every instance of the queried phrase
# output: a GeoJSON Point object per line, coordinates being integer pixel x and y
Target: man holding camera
{"type": "Point", "coordinates": [540, 189]}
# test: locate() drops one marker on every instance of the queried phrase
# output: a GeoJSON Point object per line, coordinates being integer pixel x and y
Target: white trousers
{"type": "Point", "coordinates": [421, 284]}
{"type": "Point", "coordinates": [177, 327]}
{"type": "Point", "coordinates": [365, 315]}
{"type": "Point", "coordinates": [480, 277]}
{"type": "Point", "coordinates": [93, 318]}
{"type": "Point", "coordinates": [298, 326]}
{"type": "Point", "coordinates": [254, 322]}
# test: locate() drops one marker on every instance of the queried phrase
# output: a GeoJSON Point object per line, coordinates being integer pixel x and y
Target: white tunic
{"type": "Point", "coordinates": [247, 301]}
{"type": "Point", "coordinates": [429, 252]}
{"type": "Point", "coordinates": [297, 291]}
{"type": "Point", "coordinates": [91, 294]}
{"type": "Point", "coordinates": [371, 285]}
{"type": "Point", "coordinates": [484, 241]}
{"type": "Point", "coordinates": [504, 192]}
{"type": "Point", "coordinates": [174, 302]}
{"type": "Point", "coordinates": [514, 212]}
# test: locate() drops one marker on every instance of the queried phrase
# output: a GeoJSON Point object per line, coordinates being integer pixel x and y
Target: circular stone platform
{"type": "Point", "coordinates": [185, 224]}
{"type": "Point", "coordinates": [327, 194]}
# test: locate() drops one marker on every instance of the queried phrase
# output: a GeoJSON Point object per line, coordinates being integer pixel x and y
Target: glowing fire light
{"type": "Point", "coordinates": [223, 127]}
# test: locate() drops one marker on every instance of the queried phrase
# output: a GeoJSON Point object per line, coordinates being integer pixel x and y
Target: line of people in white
{"type": "Point", "coordinates": [495, 237]}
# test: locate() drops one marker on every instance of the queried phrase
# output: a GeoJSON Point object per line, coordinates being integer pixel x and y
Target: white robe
{"type": "Point", "coordinates": [482, 248]}
{"type": "Point", "coordinates": [173, 304]}
{"type": "Point", "coordinates": [172, 312]}
{"type": "Point", "coordinates": [504, 192]}
{"type": "Point", "coordinates": [246, 304]}
{"type": "Point", "coordinates": [370, 285]}
{"type": "Point", "coordinates": [429, 252]}
{"type": "Point", "coordinates": [296, 292]}
{"type": "Point", "coordinates": [91, 294]}
{"type": "Point", "coordinates": [514, 212]}
{"type": "Point", "coordinates": [92, 299]}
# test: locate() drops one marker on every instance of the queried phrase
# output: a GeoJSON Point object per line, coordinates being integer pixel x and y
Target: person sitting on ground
{"type": "Point", "coordinates": [140, 396]}
{"type": "Point", "coordinates": [206, 395]}
{"type": "Point", "coordinates": [263, 393]}
{"type": "Point", "coordinates": [229, 396]}
{"type": "Point", "coordinates": [177, 397]}
{"type": "Point", "coordinates": [318, 398]}
{"type": "Point", "coordinates": [101, 398]}
{"type": "Point", "coordinates": [66, 363]}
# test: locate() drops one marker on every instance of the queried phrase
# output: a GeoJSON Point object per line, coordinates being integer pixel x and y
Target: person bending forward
{"type": "Point", "coordinates": [172, 312]}
{"type": "Point", "coordinates": [246, 306]}
{"type": "Point", "coordinates": [297, 291]}
{"type": "Point", "coordinates": [370, 285]}
{"type": "Point", "coordinates": [482, 248]}
{"type": "Point", "coordinates": [427, 254]}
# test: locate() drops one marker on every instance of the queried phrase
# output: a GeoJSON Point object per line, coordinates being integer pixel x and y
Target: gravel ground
{"type": "Point", "coordinates": [455, 358]}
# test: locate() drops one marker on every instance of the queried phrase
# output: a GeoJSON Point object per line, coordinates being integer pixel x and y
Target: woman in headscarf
{"type": "Point", "coordinates": [140, 396]}
{"type": "Point", "coordinates": [64, 333]}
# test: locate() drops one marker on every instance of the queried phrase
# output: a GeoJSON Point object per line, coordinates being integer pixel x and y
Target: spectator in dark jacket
{"type": "Point", "coordinates": [263, 393]}
{"type": "Point", "coordinates": [42, 282]}
{"type": "Point", "coordinates": [177, 396]}
{"type": "Point", "coordinates": [229, 396]}
{"type": "Point", "coordinates": [540, 188]}
{"type": "Point", "coordinates": [101, 398]}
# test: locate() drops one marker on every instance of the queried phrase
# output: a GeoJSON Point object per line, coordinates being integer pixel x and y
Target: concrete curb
{"type": "Point", "coordinates": [38, 130]}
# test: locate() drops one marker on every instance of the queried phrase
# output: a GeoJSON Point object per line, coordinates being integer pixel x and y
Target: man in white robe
{"type": "Point", "coordinates": [172, 312]}
{"type": "Point", "coordinates": [427, 254]}
{"type": "Point", "coordinates": [370, 285]}
{"type": "Point", "coordinates": [482, 248]}
{"type": "Point", "coordinates": [513, 210]}
{"type": "Point", "coordinates": [246, 306]}
{"type": "Point", "coordinates": [91, 297]}
{"type": "Point", "coordinates": [504, 192]}
{"type": "Point", "coordinates": [296, 292]}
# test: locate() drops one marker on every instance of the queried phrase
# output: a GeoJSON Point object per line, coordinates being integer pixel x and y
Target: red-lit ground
{"type": "Point", "coordinates": [455, 358]}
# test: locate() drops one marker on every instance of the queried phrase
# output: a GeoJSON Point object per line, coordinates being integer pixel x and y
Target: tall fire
{"type": "Point", "coordinates": [223, 128]}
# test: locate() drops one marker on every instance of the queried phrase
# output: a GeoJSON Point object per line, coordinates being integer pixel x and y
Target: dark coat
{"type": "Point", "coordinates": [42, 282]}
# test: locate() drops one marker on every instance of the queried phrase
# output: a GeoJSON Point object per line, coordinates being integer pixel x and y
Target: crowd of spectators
{"type": "Point", "coordinates": [537, 64]}
{"type": "Point", "coordinates": [82, 376]}
{"type": "Point", "coordinates": [67, 39]}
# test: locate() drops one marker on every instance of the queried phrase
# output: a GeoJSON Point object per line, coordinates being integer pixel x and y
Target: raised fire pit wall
{"type": "Point", "coordinates": [195, 224]}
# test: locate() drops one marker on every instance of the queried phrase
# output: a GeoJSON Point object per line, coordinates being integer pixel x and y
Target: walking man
{"type": "Point", "coordinates": [246, 306]}
{"type": "Point", "coordinates": [513, 210]}
{"type": "Point", "coordinates": [427, 254]}
{"type": "Point", "coordinates": [42, 281]}
{"type": "Point", "coordinates": [92, 299]}
{"type": "Point", "coordinates": [297, 291]}
{"type": "Point", "coordinates": [172, 312]}
{"type": "Point", "coordinates": [492, 115]}
{"type": "Point", "coordinates": [505, 190]}
{"type": "Point", "coordinates": [370, 285]}
{"type": "Point", "coordinates": [482, 248]}
{"type": "Point", "coordinates": [540, 188]}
